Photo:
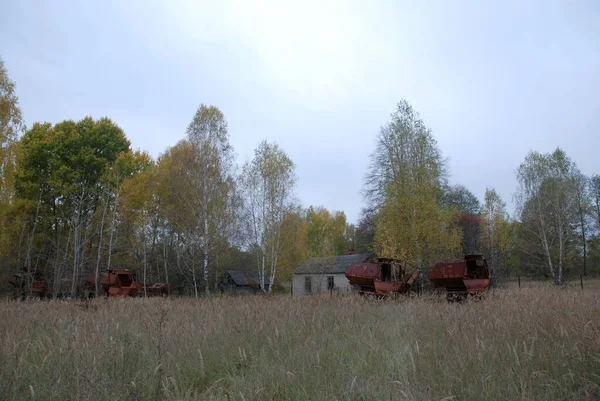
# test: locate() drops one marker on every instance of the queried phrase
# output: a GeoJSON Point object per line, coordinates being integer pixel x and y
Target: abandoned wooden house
{"type": "Point", "coordinates": [325, 274]}
{"type": "Point", "coordinates": [241, 282]}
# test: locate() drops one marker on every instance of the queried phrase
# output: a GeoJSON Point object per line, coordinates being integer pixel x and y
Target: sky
{"type": "Point", "coordinates": [492, 80]}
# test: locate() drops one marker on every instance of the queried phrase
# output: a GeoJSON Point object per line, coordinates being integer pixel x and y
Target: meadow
{"type": "Point", "coordinates": [530, 344]}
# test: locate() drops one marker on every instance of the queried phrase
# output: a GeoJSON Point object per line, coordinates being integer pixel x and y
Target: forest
{"type": "Point", "coordinates": [76, 199]}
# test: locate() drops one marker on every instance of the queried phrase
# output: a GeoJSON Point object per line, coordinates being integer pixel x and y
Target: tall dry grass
{"type": "Point", "coordinates": [533, 344]}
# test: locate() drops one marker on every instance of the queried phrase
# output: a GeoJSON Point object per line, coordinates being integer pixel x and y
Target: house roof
{"type": "Point", "coordinates": [242, 278]}
{"type": "Point", "coordinates": [332, 264]}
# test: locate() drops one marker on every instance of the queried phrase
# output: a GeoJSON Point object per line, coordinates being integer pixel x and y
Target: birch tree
{"type": "Point", "coordinates": [11, 126]}
{"type": "Point", "coordinates": [404, 187]}
{"type": "Point", "coordinates": [496, 231]}
{"type": "Point", "coordinates": [546, 188]}
{"type": "Point", "coordinates": [214, 183]}
{"type": "Point", "coordinates": [268, 183]}
{"type": "Point", "coordinates": [197, 195]}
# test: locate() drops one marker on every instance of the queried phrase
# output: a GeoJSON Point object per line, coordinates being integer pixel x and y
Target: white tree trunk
{"type": "Point", "coordinates": [195, 283]}
{"type": "Point", "coordinates": [30, 242]}
{"type": "Point", "coordinates": [545, 240]}
{"type": "Point", "coordinates": [261, 273]}
{"type": "Point", "coordinates": [97, 269]}
{"type": "Point", "coordinates": [165, 262]}
{"type": "Point", "coordinates": [112, 230]}
{"type": "Point", "coordinates": [77, 244]}
{"type": "Point", "coordinates": [145, 256]}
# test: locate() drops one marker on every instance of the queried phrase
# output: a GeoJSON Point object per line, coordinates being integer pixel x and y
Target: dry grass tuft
{"type": "Point", "coordinates": [532, 344]}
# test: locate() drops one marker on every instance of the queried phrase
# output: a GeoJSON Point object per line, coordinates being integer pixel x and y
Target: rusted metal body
{"type": "Point", "coordinates": [383, 278]}
{"type": "Point", "coordinates": [123, 283]}
{"type": "Point", "coordinates": [469, 276]}
{"type": "Point", "coordinates": [113, 283]}
{"type": "Point", "coordinates": [116, 283]}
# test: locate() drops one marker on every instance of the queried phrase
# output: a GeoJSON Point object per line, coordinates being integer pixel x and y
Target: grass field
{"type": "Point", "coordinates": [532, 344]}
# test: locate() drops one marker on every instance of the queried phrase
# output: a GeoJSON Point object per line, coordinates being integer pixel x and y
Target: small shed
{"type": "Point", "coordinates": [326, 274]}
{"type": "Point", "coordinates": [241, 282]}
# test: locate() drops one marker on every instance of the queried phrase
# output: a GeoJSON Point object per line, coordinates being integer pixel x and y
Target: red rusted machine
{"type": "Point", "coordinates": [382, 278]}
{"type": "Point", "coordinates": [116, 282]}
{"type": "Point", "coordinates": [460, 278]}
{"type": "Point", "coordinates": [123, 283]}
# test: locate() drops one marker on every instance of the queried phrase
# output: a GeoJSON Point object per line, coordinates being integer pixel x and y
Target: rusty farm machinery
{"type": "Point", "coordinates": [387, 277]}
{"type": "Point", "coordinates": [382, 278]}
{"type": "Point", "coordinates": [461, 278]}
{"type": "Point", "coordinates": [113, 283]}
{"type": "Point", "coordinates": [123, 283]}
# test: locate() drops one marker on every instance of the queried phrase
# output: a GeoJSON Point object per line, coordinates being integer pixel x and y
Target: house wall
{"type": "Point", "coordinates": [319, 283]}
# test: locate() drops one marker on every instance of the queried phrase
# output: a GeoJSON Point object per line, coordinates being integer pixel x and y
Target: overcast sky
{"type": "Point", "coordinates": [492, 80]}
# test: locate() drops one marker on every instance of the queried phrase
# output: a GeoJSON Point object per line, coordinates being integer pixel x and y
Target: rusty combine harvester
{"type": "Point", "coordinates": [382, 278]}
{"type": "Point", "coordinates": [113, 283]}
{"type": "Point", "coordinates": [462, 278]}
{"type": "Point", "coordinates": [116, 282]}
{"type": "Point", "coordinates": [123, 283]}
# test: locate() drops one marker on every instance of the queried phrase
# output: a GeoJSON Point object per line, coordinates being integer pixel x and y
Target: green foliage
{"type": "Point", "coordinates": [58, 161]}
{"type": "Point", "coordinates": [548, 206]}
{"type": "Point", "coordinates": [63, 174]}
{"type": "Point", "coordinates": [462, 200]}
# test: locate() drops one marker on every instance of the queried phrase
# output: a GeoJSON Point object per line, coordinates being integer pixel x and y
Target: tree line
{"type": "Point", "coordinates": [76, 199]}
{"type": "Point", "coordinates": [412, 213]}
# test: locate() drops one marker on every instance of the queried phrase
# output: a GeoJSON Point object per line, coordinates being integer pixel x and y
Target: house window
{"type": "Point", "coordinates": [330, 283]}
{"type": "Point", "coordinates": [308, 285]}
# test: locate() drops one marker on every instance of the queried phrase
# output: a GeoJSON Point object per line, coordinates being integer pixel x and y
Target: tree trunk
{"type": "Point", "coordinates": [165, 262]}
{"type": "Point", "coordinates": [545, 240]}
{"type": "Point", "coordinates": [144, 256]}
{"type": "Point", "coordinates": [205, 242]}
{"type": "Point", "coordinates": [205, 270]}
{"type": "Point", "coordinates": [560, 251]}
{"type": "Point", "coordinates": [112, 230]}
{"type": "Point", "coordinates": [30, 244]}
{"type": "Point", "coordinates": [58, 273]}
{"type": "Point", "coordinates": [261, 274]}
{"type": "Point", "coordinates": [97, 270]}
{"type": "Point", "coordinates": [583, 239]}
{"type": "Point", "coordinates": [195, 282]}
{"type": "Point", "coordinates": [76, 247]}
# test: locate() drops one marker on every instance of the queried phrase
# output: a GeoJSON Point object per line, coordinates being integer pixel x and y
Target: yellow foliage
{"type": "Point", "coordinates": [412, 226]}
{"type": "Point", "coordinates": [294, 246]}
